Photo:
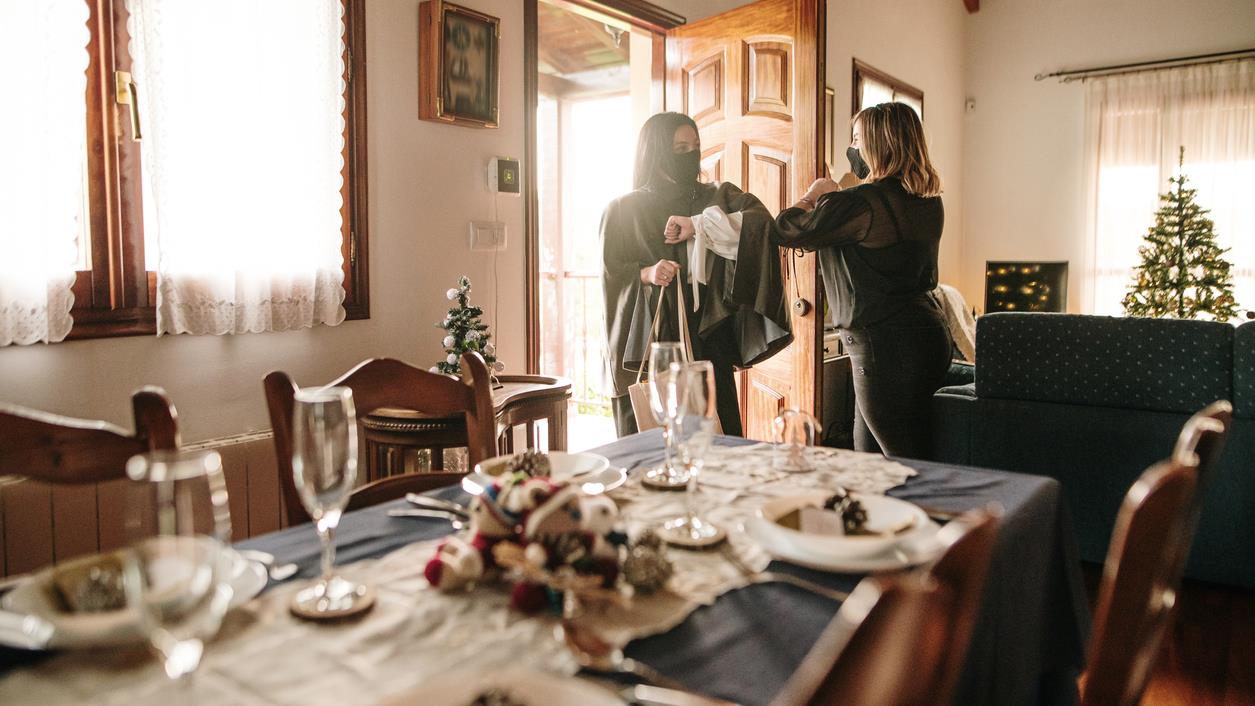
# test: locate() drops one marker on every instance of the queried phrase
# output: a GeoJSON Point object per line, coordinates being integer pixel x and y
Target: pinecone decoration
{"type": "Point", "coordinates": [646, 568]}
{"type": "Point", "coordinates": [648, 538]}
{"type": "Point", "coordinates": [530, 463]}
{"type": "Point", "coordinates": [853, 516]}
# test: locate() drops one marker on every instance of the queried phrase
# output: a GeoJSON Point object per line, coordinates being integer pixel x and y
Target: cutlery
{"type": "Point", "coordinates": [426, 501]}
{"type": "Point", "coordinates": [281, 572]}
{"type": "Point", "coordinates": [596, 655]}
{"type": "Point", "coordinates": [28, 632]}
{"type": "Point", "coordinates": [458, 521]}
{"type": "Point", "coordinates": [729, 553]}
{"type": "Point", "coordinates": [658, 696]}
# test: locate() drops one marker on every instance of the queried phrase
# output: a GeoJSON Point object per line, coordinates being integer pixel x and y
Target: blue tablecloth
{"type": "Point", "coordinates": [1029, 642]}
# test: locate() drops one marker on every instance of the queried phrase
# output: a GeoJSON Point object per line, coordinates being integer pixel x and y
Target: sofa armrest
{"type": "Point", "coordinates": [952, 418]}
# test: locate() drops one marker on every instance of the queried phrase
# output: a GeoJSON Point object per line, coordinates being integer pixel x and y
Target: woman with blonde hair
{"type": "Point", "coordinates": [877, 245]}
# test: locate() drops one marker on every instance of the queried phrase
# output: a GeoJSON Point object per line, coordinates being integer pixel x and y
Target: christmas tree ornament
{"type": "Point", "coordinates": [448, 341]}
{"type": "Point", "coordinates": [451, 295]}
{"type": "Point", "coordinates": [466, 332]}
{"type": "Point", "coordinates": [1183, 274]}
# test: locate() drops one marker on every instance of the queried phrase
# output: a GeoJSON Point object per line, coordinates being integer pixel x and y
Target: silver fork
{"type": "Point", "coordinates": [729, 553]}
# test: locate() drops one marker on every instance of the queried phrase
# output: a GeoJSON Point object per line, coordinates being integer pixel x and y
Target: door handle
{"type": "Point", "coordinates": [128, 94]}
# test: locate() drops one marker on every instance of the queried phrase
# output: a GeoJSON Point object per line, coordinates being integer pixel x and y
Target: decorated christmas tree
{"type": "Point", "coordinates": [465, 332]}
{"type": "Point", "coordinates": [1182, 275]}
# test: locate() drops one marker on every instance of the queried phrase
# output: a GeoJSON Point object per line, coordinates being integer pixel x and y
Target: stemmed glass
{"type": "Point", "coordinates": [795, 431]}
{"type": "Point", "coordinates": [324, 467]}
{"type": "Point", "coordinates": [691, 408]}
{"type": "Point", "coordinates": [177, 577]}
{"type": "Point", "coordinates": [661, 357]}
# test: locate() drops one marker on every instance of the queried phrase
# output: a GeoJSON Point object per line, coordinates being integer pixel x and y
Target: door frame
{"type": "Point", "coordinates": [638, 13]}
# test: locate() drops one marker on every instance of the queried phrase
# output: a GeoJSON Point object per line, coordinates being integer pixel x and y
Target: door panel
{"type": "Point", "coordinates": [752, 79]}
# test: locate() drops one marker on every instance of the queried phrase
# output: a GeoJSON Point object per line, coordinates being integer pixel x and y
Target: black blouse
{"type": "Point", "coordinates": [877, 249]}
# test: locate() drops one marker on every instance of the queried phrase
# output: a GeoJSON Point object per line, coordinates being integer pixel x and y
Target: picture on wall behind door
{"type": "Point", "coordinates": [458, 64]}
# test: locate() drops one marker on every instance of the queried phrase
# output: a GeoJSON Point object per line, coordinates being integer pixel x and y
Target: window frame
{"type": "Point", "coordinates": [117, 296]}
{"type": "Point", "coordinates": [862, 70]}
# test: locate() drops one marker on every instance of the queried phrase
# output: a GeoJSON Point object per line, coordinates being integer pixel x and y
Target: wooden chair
{"type": "Point", "coordinates": [1142, 574]}
{"type": "Point", "coordinates": [963, 567]}
{"type": "Point", "coordinates": [885, 646]}
{"type": "Point", "coordinates": [56, 449]}
{"type": "Point", "coordinates": [385, 382]}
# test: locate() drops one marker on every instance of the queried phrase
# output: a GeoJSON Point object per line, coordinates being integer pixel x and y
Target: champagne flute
{"type": "Point", "coordinates": [691, 406]}
{"type": "Point", "coordinates": [324, 467]}
{"type": "Point", "coordinates": [177, 578]}
{"type": "Point", "coordinates": [661, 357]}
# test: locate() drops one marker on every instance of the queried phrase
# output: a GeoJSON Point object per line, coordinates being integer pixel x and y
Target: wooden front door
{"type": "Point", "coordinates": [751, 78]}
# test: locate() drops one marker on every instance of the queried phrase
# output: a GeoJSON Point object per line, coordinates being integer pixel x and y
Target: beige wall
{"type": "Point", "coordinates": [1024, 142]}
{"type": "Point", "coordinates": [426, 183]}
{"type": "Point", "coordinates": [919, 42]}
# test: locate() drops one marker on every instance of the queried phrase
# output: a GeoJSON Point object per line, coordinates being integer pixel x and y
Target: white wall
{"type": "Point", "coordinates": [1024, 143]}
{"type": "Point", "coordinates": [426, 182]}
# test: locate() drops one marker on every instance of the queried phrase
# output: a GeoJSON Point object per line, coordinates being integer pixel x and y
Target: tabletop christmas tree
{"type": "Point", "coordinates": [465, 332]}
{"type": "Point", "coordinates": [1182, 275]}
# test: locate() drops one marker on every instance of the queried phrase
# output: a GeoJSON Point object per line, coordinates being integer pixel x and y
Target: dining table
{"type": "Point", "coordinates": [1028, 645]}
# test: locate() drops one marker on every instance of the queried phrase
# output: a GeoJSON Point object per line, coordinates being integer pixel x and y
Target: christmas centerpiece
{"type": "Point", "coordinates": [465, 332]}
{"type": "Point", "coordinates": [1182, 275]}
{"type": "Point", "coordinates": [550, 541]}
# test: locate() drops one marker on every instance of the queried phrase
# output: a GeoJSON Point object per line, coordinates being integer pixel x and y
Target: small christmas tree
{"type": "Point", "coordinates": [1182, 274]}
{"type": "Point", "coordinates": [465, 332]}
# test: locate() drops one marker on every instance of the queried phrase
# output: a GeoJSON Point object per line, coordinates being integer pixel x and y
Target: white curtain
{"type": "Point", "coordinates": [1136, 124]}
{"type": "Point", "coordinates": [43, 128]}
{"type": "Point", "coordinates": [242, 105]}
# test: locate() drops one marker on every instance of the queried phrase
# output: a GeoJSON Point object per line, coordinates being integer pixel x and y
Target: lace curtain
{"type": "Point", "coordinates": [242, 107]}
{"type": "Point", "coordinates": [44, 45]}
{"type": "Point", "coordinates": [1136, 124]}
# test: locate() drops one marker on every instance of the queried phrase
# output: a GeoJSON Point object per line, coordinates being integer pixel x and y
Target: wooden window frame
{"type": "Point", "coordinates": [118, 295]}
{"type": "Point", "coordinates": [863, 70]}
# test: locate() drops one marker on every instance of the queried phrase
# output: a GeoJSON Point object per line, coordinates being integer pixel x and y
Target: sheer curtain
{"type": "Point", "coordinates": [1136, 124]}
{"type": "Point", "coordinates": [242, 103]}
{"type": "Point", "coordinates": [44, 126]}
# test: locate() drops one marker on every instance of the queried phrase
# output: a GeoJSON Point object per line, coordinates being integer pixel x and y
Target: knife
{"type": "Point", "coordinates": [658, 696]}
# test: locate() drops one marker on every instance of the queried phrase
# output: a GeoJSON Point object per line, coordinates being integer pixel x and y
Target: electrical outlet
{"type": "Point", "coordinates": [487, 235]}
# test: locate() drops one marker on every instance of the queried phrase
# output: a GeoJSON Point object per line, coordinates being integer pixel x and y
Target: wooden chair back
{"type": "Point", "coordinates": [1203, 436]}
{"type": "Point", "coordinates": [64, 450]}
{"type": "Point", "coordinates": [884, 647]}
{"type": "Point", "coordinates": [963, 567]}
{"type": "Point", "coordinates": [385, 382]}
{"type": "Point", "coordinates": [1142, 574]}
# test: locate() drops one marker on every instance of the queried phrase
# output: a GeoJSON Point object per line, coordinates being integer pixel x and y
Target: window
{"type": "Point", "coordinates": [128, 193]}
{"type": "Point", "coordinates": [873, 86]}
{"type": "Point", "coordinates": [1136, 125]}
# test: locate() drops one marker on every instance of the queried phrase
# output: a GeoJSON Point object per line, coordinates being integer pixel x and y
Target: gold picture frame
{"type": "Point", "coordinates": [459, 65]}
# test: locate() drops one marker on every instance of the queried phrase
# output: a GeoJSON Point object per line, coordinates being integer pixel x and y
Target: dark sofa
{"type": "Point", "coordinates": [1093, 401]}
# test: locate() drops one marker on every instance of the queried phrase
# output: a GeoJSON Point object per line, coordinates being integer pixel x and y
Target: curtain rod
{"type": "Point", "coordinates": [1081, 74]}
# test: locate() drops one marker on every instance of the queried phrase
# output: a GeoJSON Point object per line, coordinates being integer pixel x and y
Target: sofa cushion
{"type": "Point", "coordinates": [1244, 371]}
{"type": "Point", "coordinates": [1165, 365]}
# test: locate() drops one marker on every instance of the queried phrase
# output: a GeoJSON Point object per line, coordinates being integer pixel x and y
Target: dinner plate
{"type": "Point", "coordinates": [888, 519]}
{"type": "Point", "coordinates": [913, 547]}
{"type": "Point", "coordinates": [593, 471]}
{"type": "Point", "coordinates": [526, 687]}
{"type": "Point", "coordinates": [115, 627]}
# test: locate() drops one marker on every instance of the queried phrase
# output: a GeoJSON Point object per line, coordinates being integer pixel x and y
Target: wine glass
{"type": "Point", "coordinates": [324, 468]}
{"type": "Point", "coordinates": [794, 431]}
{"type": "Point", "coordinates": [178, 577]}
{"type": "Point", "coordinates": [661, 356]}
{"type": "Point", "coordinates": [691, 409]}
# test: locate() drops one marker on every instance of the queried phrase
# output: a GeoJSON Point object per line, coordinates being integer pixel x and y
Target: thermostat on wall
{"type": "Point", "coordinates": [504, 176]}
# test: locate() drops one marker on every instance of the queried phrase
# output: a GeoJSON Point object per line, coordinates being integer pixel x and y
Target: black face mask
{"type": "Point", "coordinates": [684, 167]}
{"type": "Point", "coordinates": [857, 165]}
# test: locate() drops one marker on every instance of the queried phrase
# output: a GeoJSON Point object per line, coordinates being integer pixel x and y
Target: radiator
{"type": "Point", "coordinates": [43, 524]}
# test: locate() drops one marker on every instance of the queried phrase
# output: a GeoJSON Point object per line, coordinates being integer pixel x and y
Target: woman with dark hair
{"type": "Point", "coordinates": [713, 240]}
{"type": "Point", "coordinates": [877, 245]}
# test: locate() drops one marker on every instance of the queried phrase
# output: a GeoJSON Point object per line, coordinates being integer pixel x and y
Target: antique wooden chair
{"type": "Point", "coordinates": [1142, 574]}
{"type": "Point", "coordinates": [56, 449]}
{"type": "Point", "coordinates": [963, 567]}
{"type": "Point", "coordinates": [885, 646]}
{"type": "Point", "coordinates": [385, 382]}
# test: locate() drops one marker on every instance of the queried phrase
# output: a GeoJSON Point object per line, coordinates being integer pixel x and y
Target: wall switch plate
{"type": "Point", "coordinates": [504, 176]}
{"type": "Point", "coordinates": [487, 235]}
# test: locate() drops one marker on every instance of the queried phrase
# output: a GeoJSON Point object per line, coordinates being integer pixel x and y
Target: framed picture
{"type": "Point", "coordinates": [459, 64]}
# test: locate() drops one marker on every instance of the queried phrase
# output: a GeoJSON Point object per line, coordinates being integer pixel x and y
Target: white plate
{"type": "Point", "coordinates": [884, 515]}
{"type": "Point", "coordinates": [115, 627]}
{"type": "Point", "coordinates": [526, 687]}
{"type": "Point", "coordinates": [914, 547]}
{"type": "Point", "coordinates": [592, 470]}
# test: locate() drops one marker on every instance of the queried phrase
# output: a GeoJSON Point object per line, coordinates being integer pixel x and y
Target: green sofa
{"type": "Point", "coordinates": [1093, 401]}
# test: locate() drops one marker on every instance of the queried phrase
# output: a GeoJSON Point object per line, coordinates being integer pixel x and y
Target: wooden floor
{"type": "Point", "coordinates": [1209, 657]}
